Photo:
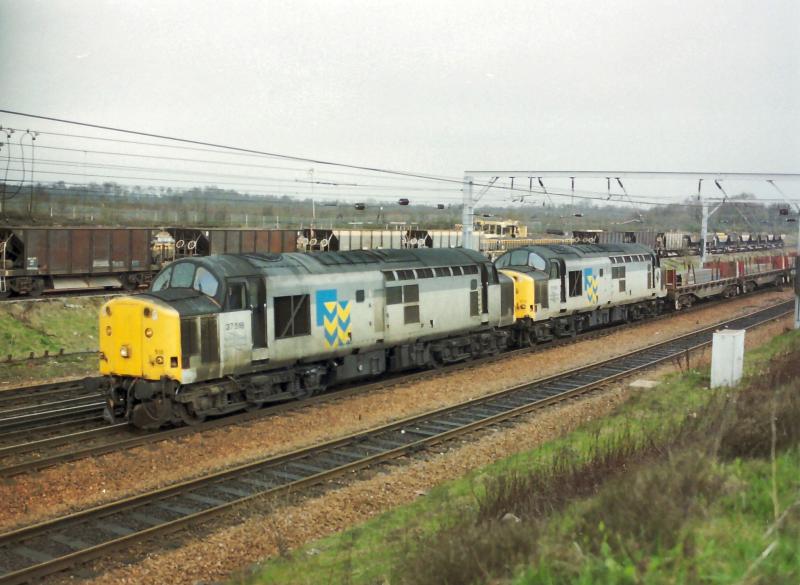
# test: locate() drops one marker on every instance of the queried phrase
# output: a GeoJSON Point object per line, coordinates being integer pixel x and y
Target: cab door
{"type": "Point", "coordinates": [236, 328]}
{"type": "Point", "coordinates": [557, 289]}
{"type": "Point", "coordinates": [258, 305]}
{"type": "Point", "coordinates": [484, 293]}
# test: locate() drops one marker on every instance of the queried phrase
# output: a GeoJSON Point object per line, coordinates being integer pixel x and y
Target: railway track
{"type": "Point", "coordinates": [50, 417]}
{"type": "Point", "coordinates": [32, 394]}
{"type": "Point", "coordinates": [65, 295]}
{"type": "Point", "coordinates": [48, 445]}
{"type": "Point", "coordinates": [42, 549]}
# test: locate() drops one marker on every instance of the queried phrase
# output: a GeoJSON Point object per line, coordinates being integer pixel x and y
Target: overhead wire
{"type": "Point", "coordinates": [262, 153]}
{"type": "Point", "coordinates": [576, 194]}
{"type": "Point", "coordinates": [206, 161]}
{"type": "Point", "coordinates": [132, 168]}
{"type": "Point", "coordinates": [221, 148]}
{"type": "Point", "coordinates": [230, 147]}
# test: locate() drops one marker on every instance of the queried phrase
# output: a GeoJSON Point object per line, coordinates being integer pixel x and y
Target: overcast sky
{"type": "Point", "coordinates": [436, 87]}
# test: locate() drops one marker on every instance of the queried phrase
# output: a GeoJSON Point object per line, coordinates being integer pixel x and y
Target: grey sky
{"type": "Point", "coordinates": [436, 87]}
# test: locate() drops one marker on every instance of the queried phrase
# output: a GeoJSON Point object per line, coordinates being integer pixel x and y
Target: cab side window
{"type": "Point", "coordinates": [554, 270]}
{"type": "Point", "coordinates": [237, 299]}
{"type": "Point", "coordinates": [205, 282]}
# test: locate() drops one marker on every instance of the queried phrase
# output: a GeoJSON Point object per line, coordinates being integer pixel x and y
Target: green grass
{"type": "Point", "coordinates": [48, 325]}
{"type": "Point", "coordinates": [712, 539]}
{"type": "Point", "coordinates": [51, 326]}
{"type": "Point", "coordinates": [38, 371]}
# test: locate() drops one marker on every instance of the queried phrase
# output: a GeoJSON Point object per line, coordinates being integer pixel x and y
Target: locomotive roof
{"type": "Point", "coordinates": [233, 265]}
{"type": "Point", "coordinates": [586, 250]}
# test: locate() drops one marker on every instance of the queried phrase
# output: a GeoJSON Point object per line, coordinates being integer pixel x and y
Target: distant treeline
{"type": "Point", "coordinates": [114, 204]}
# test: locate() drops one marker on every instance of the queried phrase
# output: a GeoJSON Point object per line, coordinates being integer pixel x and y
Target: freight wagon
{"type": "Point", "coordinates": [677, 243]}
{"type": "Point", "coordinates": [38, 259]}
{"type": "Point", "coordinates": [726, 276]}
{"type": "Point", "coordinates": [35, 259]}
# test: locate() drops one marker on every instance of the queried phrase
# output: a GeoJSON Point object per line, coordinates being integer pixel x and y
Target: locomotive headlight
{"type": "Point", "coordinates": [148, 332]}
{"type": "Point", "coordinates": [108, 329]}
{"type": "Point", "coordinates": [160, 359]}
{"type": "Point", "coordinates": [124, 351]}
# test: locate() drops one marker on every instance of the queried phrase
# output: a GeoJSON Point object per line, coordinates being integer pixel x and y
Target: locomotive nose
{"type": "Point", "coordinates": [139, 338]}
{"type": "Point", "coordinates": [121, 337]}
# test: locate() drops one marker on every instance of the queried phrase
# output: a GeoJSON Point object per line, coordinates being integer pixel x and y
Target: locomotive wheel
{"type": "Point", "coordinates": [305, 393]}
{"type": "Point", "coordinates": [435, 360]}
{"type": "Point", "coordinates": [5, 293]}
{"type": "Point", "coordinates": [188, 414]}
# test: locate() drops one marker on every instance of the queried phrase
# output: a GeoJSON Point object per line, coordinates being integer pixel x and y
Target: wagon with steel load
{"type": "Point", "coordinates": [726, 276]}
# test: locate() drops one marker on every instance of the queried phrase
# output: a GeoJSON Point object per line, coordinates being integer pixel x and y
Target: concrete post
{"type": "Point", "coordinates": [727, 357]}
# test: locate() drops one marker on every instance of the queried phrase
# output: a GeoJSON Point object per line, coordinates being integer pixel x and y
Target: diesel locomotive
{"type": "Point", "coordinates": [218, 334]}
{"type": "Point", "coordinates": [222, 333]}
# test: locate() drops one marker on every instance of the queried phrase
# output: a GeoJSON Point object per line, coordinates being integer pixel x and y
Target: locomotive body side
{"type": "Point", "coordinates": [565, 289]}
{"type": "Point", "coordinates": [256, 328]}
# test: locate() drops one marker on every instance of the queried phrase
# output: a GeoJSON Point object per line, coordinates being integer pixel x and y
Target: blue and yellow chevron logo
{"type": "Point", "coordinates": [333, 316]}
{"type": "Point", "coordinates": [590, 284]}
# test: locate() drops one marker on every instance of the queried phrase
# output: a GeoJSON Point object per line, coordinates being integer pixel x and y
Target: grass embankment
{"type": "Point", "coordinates": [680, 485]}
{"type": "Point", "coordinates": [48, 325]}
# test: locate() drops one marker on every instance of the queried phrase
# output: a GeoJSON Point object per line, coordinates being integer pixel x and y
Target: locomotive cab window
{"type": "Point", "coordinates": [536, 262]}
{"type": "Point", "coordinates": [205, 282]}
{"type": "Point", "coordinates": [519, 258]}
{"type": "Point", "coordinates": [182, 275]}
{"type": "Point", "coordinates": [162, 280]}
